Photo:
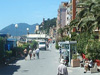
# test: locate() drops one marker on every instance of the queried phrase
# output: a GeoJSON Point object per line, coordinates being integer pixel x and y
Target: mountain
{"type": "Point", "coordinates": [21, 30]}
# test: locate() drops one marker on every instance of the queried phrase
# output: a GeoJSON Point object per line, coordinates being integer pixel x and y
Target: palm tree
{"type": "Point", "coordinates": [89, 18]}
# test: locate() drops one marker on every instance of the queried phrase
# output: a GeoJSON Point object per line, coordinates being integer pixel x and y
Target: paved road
{"type": "Point", "coordinates": [46, 65]}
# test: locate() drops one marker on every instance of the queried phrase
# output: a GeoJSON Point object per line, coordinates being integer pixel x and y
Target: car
{"type": "Point", "coordinates": [42, 45]}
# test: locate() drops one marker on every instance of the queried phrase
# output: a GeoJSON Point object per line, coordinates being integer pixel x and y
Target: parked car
{"type": "Point", "coordinates": [42, 45]}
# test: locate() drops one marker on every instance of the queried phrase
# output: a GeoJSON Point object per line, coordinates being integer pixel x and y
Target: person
{"type": "Point", "coordinates": [67, 60]}
{"type": "Point", "coordinates": [25, 53]}
{"type": "Point", "coordinates": [37, 52]}
{"type": "Point", "coordinates": [30, 53]}
{"type": "Point", "coordinates": [34, 52]}
{"type": "Point", "coordinates": [60, 51]}
{"type": "Point", "coordinates": [62, 69]}
{"type": "Point", "coordinates": [88, 65]}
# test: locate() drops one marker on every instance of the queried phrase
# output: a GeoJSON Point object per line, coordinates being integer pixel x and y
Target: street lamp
{"type": "Point", "coordinates": [16, 26]}
{"type": "Point", "coordinates": [27, 31]}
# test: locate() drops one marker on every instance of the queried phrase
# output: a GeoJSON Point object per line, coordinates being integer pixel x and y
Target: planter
{"type": "Point", "coordinates": [75, 63]}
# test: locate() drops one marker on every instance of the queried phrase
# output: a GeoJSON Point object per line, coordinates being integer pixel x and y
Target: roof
{"type": "Point", "coordinates": [11, 39]}
{"type": "Point", "coordinates": [68, 42]}
{"type": "Point", "coordinates": [36, 36]}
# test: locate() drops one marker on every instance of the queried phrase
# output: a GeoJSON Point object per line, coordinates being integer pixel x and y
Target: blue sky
{"type": "Point", "coordinates": [27, 11]}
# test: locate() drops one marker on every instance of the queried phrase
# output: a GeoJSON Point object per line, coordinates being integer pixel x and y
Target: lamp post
{"type": "Point", "coordinates": [16, 26]}
{"type": "Point", "coordinates": [27, 31]}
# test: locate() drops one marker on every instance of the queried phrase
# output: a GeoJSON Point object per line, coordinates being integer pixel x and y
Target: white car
{"type": "Point", "coordinates": [42, 45]}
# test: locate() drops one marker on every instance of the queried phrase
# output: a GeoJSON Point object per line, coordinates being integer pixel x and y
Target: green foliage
{"type": "Point", "coordinates": [87, 20]}
{"type": "Point", "coordinates": [74, 56]}
{"type": "Point", "coordinates": [82, 41]}
{"type": "Point", "coordinates": [47, 24]}
{"type": "Point", "coordinates": [2, 43]}
{"type": "Point", "coordinates": [26, 46]}
{"type": "Point", "coordinates": [34, 45]}
{"type": "Point", "coordinates": [8, 54]}
{"type": "Point", "coordinates": [57, 46]}
{"type": "Point", "coordinates": [17, 51]}
{"type": "Point", "coordinates": [73, 36]}
{"type": "Point", "coordinates": [93, 50]}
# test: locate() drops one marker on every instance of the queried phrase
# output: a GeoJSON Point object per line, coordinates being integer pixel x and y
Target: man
{"type": "Point", "coordinates": [37, 52]}
{"type": "Point", "coordinates": [62, 69]}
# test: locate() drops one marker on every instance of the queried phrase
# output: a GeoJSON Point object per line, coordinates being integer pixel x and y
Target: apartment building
{"type": "Point", "coordinates": [63, 17]}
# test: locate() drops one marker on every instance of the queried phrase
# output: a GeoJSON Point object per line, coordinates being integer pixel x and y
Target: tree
{"type": "Point", "coordinates": [88, 20]}
{"type": "Point", "coordinates": [47, 24]}
{"type": "Point", "coordinates": [2, 45]}
{"type": "Point", "coordinates": [34, 45]}
{"type": "Point", "coordinates": [93, 50]}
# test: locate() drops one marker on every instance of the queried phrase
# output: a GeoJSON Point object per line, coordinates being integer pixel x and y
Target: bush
{"type": "Point", "coordinates": [33, 45]}
{"type": "Point", "coordinates": [93, 50]}
{"type": "Point", "coordinates": [2, 43]}
{"type": "Point", "coordinates": [17, 51]}
{"type": "Point", "coordinates": [8, 54]}
{"type": "Point", "coordinates": [74, 56]}
{"type": "Point", "coordinates": [57, 47]}
{"type": "Point", "coordinates": [26, 46]}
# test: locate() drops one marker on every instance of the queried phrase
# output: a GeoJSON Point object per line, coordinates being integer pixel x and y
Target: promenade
{"type": "Point", "coordinates": [46, 65]}
{"type": "Point", "coordinates": [79, 71]}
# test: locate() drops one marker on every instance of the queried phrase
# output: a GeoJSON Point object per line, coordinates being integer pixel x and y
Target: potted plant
{"type": "Point", "coordinates": [74, 61]}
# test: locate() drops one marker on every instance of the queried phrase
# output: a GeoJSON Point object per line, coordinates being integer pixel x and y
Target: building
{"type": "Point", "coordinates": [52, 32]}
{"type": "Point", "coordinates": [36, 37]}
{"type": "Point", "coordinates": [63, 17]}
{"type": "Point", "coordinates": [37, 29]}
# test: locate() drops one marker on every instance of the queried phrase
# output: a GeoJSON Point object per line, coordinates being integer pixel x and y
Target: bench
{"type": "Point", "coordinates": [94, 69]}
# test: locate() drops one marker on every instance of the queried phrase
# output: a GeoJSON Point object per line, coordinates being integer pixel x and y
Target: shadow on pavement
{"type": "Point", "coordinates": [8, 70]}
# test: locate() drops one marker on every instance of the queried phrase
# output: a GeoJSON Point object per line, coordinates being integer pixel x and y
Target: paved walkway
{"type": "Point", "coordinates": [79, 71]}
{"type": "Point", "coordinates": [46, 65]}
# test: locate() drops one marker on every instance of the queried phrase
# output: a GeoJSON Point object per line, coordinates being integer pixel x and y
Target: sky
{"type": "Point", "coordinates": [27, 11]}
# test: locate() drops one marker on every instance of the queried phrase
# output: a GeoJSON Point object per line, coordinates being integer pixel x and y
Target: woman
{"type": "Point", "coordinates": [30, 53]}
{"type": "Point", "coordinates": [25, 53]}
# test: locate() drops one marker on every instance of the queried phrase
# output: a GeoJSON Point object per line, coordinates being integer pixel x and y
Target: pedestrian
{"type": "Point", "coordinates": [60, 52]}
{"type": "Point", "coordinates": [49, 46]}
{"type": "Point", "coordinates": [25, 53]}
{"type": "Point", "coordinates": [37, 52]}
{"type": "Point", "coordinates": [34, 52]}
{"type": "Point", "coordinates": [30, 53]}
{"type": "Point", "coordinates": [62, 69]}
{"type": "Point", "coordinates": [67, 60]}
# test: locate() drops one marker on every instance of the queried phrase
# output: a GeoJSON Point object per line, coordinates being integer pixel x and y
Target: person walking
{"type": "Point", "coordinates": [25, 53]}
{"type": "Point", "coordinates": [30, 53]}
{"type": "Point", "coordinates": [62, 69]}
{"type": "Point", "coordinates": [37, 52]}
{"type": "Point", "coordinates": [60, 52]}
{"type": "Point", "coordinates": [34, 52]}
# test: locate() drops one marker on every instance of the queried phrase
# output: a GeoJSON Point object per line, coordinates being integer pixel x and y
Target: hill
{"type": "Point", "coordinates": [21, 30]}
{"type": "Point", "coordinates": [47, 24]}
